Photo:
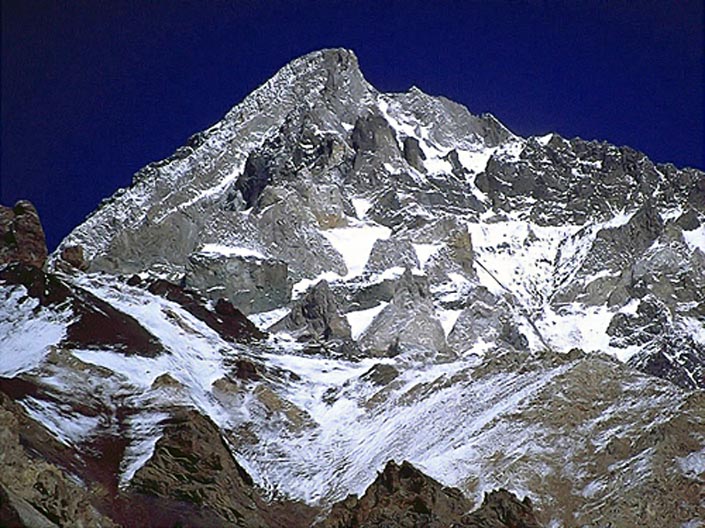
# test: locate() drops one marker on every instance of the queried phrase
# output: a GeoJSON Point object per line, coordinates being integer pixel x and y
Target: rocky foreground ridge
{"type": "Point", "coordinates": [332, 278]}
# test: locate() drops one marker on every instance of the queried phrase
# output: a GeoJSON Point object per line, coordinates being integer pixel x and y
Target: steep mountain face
{"type": "Point", "coordinates": [331, 278]}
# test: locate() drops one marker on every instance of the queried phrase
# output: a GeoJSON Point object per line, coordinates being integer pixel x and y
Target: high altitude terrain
{"type": "Point", "coordinates": [331, 279]}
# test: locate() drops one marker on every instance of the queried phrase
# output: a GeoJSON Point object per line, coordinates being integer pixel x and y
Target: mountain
{"type": "Point", "coordinates": [332, 278]}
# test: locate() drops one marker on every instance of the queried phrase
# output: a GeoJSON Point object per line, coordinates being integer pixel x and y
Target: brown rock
{"type": "Point", "coordinates": [73, 255]}
{"type": "Point", "coordinates": [96, 323]}
{"type": "Point", "coordinates": [35, 486]}
{"type": "Point", "coordinates": [404, 497]}
{"type": "Point", "coordinates": [21, 235]}
{"type": "Point", "coordinates": [197, 482]}
{"type": "Point", "coordinates": [230, 323]}
{"type": "Point", "coordinates": [401, 496]}
{"type": "Point", "coordinates": [501, 509]}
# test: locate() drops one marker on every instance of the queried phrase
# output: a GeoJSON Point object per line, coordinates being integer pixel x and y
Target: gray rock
{"type": "Point", "coordinates": [408, 322]}
{"type": "Point", "coordinates": [251, 284]}
{"type": "Point", "coordinates": [413, 154]}
{"type": "Point", "coordinates": [316, 316]}
{"type": "Point", "coordinates": [390, 253]}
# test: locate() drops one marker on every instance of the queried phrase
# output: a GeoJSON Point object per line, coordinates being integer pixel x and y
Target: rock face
{"type": "Point", "coordinates": [192, 465]}
{"type": "Point", "coordinates": [250, 283]}
{"type": "Point", "coordinates": [21, 235]}
{"type": "Point", "coordinates": [73, 256]}
{"type": "Point", "coordinates": [33, 490]}
{"type": "Point", "coordinates": [316, 316]}
{"type": "Point", "coordinates": [230, 323]}
{"type": "Point", "coordinates": [503, 312]}
{"type": "Point", "coordinates": [402, 496]}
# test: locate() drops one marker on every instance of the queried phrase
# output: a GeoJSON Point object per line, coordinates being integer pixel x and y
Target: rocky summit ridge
{"type": "Point", "coordinates": [331, 279]}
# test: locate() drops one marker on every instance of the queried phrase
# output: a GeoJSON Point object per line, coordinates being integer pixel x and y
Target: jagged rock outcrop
{"type": "Point", "coordinates": [390, 253]}
{"type": "Point", "coordinates": [316, 316]}
{"type": "Point", "coordinates": [95, 323]}
{"type": "Point", "coordinates": [230, 323]}
{"type": "Point", "coordinates": [501, 509]}
{"type": "Point", "coordinates": [191, 465]}
{"type": "Point", "coordinates": [402, 496]}
{"type": "Point", "coordinates": [34, 490]}
{"type": "Point", "coordinates": [408, 322]}
{"type": "Point", "coordinates": [21, 235]}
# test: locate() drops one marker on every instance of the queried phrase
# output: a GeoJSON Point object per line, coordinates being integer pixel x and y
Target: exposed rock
{"type": "Point", "coordinates": [192, 467]}
{"type": "Point", "coordinates": [381, 374]}
{"type": "Point", "coordinates": [403, 497]}
{"type": "Point", "coordinates": [33, 489]}
{"type": "Point", "coordinates": [407, 322]}
{"type": "Point", "coordinates": [372, 134]}
{"type": "Point", "coordinates": [73, 255]}
{"type": "Point", "coordinates": [96, 324]}
{"type": "Point", "coordinates": [291, 232]}
{"type": "Point", "coordinates": [389, 253]}
{"type": "Point", "coordinates": [674, 357]}
{"type": "Point", "coordinates": [250, 283]}
{"type": "Point", "coordinates": [501, 509]}
{"type": "Point", "coordinates": [21, 235]}
{"type": "Point", "coordinates": [326, 203]}
{"type": "Point", "coordinates": [413, 154]}
{"type": "Point", "coordinates": [316, 316]}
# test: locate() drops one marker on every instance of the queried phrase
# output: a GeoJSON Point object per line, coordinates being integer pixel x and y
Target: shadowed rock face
{"type": "Point", "coordinates": [402, 496]}
{"type": "Point", "coordinates": [21, 235]}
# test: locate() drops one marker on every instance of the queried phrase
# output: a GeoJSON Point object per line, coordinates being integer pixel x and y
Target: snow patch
{"type": "Point", "coordinates": [355, 242]}
{"type": "Point", "coordinates": [695, 238]}
{"type": "Point", "coordinates": [230, 251]}
{"type": "Point", "coordinates": [360, 320]}
{"type": "Point", "coordinates": [26, 335]}
{"type": "Point", "coordinates": [425, 252]}
{"type": "Point", "coordinates": [448, 318]}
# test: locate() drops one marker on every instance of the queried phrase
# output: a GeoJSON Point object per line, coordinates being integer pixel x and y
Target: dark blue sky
{"type": "Point", "coordinates": [92, 91]}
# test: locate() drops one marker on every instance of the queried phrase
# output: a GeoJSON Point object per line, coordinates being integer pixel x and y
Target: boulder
{"type": "Point", "coordinates": [73, 256]}
{"type": "Point", "coordinates": [390, 253]}
{"type": "Point", "coordinates": [408, 322]}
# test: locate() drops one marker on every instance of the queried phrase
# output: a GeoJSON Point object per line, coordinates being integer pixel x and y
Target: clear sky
{"type": "Point", "coordinates": [92, 91]}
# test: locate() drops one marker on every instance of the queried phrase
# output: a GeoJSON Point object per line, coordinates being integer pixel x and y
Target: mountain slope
{"type": "Point", "coordinates": [421, 284]}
